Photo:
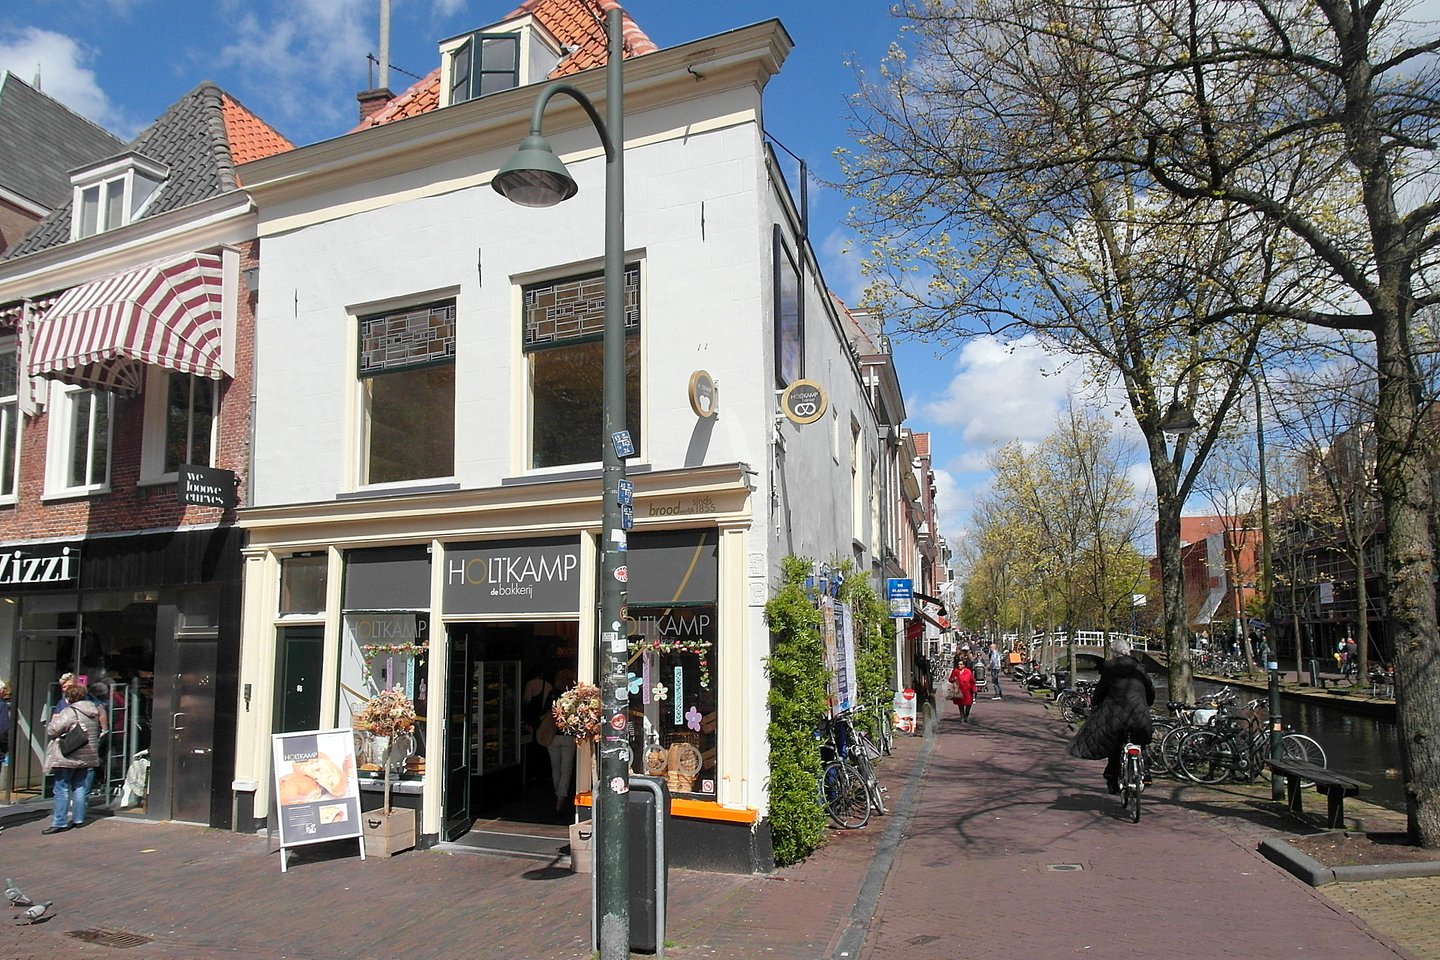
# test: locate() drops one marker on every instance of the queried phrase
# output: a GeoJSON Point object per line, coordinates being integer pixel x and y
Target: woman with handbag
{"type": "Point", "coordinates": [962, 687]}
{"type": "Point", "coordinates": [71, 755]}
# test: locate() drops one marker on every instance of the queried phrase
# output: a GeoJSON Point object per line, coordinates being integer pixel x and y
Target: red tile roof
{"type": "Point", "coordinates": [250, 137]}
{"type": "Point", "coordinates": [578, 24]}
{"type": "Point", "coordinates": [922, 444]}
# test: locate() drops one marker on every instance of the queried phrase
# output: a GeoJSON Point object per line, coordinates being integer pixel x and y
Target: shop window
{"type": "Point", "coordinates": [382, 651]}
{"type": "Point", "coordinates": [9, 418]}
{"type": "Point", "coordinates": [564, 326]}
{"type": "Point", "coordinates": [672, 695]}
{"type": "Point", "coordinates": [407, 380]}
{"type": "Point", "coordinates": [789, 315]}
{"type": "Point", "coordinates": [78, 459]}
{"type": "Point", "coordinates": [302, 584]}
{"type": "Point", "coordinates": [180, 423]}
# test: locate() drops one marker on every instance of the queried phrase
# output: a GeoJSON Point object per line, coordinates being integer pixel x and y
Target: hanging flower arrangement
{"type": "Point", "coordinates": [373, 650]}
{"type": "Point", "coordinates": [699, 648]}
{"type": "Point", "coordinates": [577, 712]}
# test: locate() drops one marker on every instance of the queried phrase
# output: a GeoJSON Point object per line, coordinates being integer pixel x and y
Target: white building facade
{"type": "Point", "coordinates": [425, 488]}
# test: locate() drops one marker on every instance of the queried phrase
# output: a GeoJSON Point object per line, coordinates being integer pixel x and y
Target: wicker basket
{"type": "Point", "coordinates": [679, 783]}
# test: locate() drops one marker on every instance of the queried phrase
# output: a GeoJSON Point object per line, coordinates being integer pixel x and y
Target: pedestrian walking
{"type": "Point", "coordinates": [995, 667]}
{"type": "Point", "coordinates": [962, 686]}
{"type": "Point", "coordinates": [74, 771]}
{"type": "Point", "coordinates": [1119, 711]}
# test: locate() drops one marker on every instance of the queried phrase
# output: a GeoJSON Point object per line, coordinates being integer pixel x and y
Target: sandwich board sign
{"type": "Point", "coordinates": [317, 795]}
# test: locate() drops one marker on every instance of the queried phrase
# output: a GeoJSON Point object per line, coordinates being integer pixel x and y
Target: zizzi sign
{"type": "Point", "coordinates": [513, 576]}
{"type": "Point", "coordinates": [32, 568]}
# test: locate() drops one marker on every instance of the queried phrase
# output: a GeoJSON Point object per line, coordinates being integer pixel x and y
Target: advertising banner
{"type": "Point", "coordinates": [316, 793]}
{"type": "Point", "coordinates": [843, 692]}
{"type": "Point", "coordinates": [905, 706]}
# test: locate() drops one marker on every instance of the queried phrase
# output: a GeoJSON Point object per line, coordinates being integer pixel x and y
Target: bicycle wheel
{"type": "Point", "coordinates": [1153, 755]}
{"type": "Point", "coordinates": [846, 799]}
{"type": "Point", "coordinates": [1170, 750]}
{"type": "Point", "coordinates": [1206, 756]}
{"type": "Point", "coordinates": [1132, 786]}
{"type": "Point", "coordinates": [1297, 746]}
{"type": "Point", "coordinates": [872, 785]}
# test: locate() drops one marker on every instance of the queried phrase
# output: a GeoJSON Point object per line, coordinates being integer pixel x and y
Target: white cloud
{"type": "Point", "coordinates": [841, 262]}
{"type": "Point", "coordinates": [305, 63]}
{"type": "Point", "coordinates": [1002, 392]}
{"type": "Point", "coordinates": [63, 65]}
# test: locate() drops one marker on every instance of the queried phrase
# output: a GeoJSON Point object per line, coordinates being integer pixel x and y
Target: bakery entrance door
{"type": "Point", "coordinates": [192, 730]}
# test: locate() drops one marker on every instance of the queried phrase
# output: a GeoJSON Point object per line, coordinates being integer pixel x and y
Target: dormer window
{"type": "Point", "coordinates": [113, 193]}
{"type": "Point", "coordinates": [485, 63]}
{"type": "Point", "coordinates": [497, 58]}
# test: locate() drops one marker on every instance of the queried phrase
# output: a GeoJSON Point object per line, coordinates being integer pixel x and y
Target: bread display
{"type": "Point", "coordinates": [325, 772]}
{"type": "Point", "coordinates": [296, 787]}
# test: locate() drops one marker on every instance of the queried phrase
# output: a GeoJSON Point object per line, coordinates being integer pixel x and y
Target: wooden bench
{"type": "Point", "coordinates": [1335, 787]}
{"type": "Point", "coordinates": [1330, 683]}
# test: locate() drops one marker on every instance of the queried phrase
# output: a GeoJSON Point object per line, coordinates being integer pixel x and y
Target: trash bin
{"type": "Point", "coordinates": [648, 815]}
{"type": "Point", "coordinates": [1314, 672]}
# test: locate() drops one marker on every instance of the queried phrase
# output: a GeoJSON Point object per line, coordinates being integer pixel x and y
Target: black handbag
{"type": "Point", "coordinates": [73, 739]}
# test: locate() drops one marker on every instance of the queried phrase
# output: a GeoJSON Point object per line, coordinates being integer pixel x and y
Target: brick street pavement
{"type": "Point", "coordinates": [995, 806]}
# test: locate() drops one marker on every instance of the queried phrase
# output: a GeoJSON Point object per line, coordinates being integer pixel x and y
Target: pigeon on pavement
{"type": "Point", "coordinates": [33, 914]}
{"type": "Point", "coordinates": [15, 895]}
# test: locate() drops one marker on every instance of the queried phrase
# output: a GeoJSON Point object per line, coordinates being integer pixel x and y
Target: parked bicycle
{"type": "Point", "coordinates": [1235, 748]}
{"type": "Point", "coordinates": [849, 789]}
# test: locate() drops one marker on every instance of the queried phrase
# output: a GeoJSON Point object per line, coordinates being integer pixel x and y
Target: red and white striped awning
{"type": "Point", "coordinates": [104, 333]}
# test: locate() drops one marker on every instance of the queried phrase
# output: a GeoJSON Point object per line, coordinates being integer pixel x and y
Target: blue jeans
{"type": "Point", "coordinates": [72, 791]}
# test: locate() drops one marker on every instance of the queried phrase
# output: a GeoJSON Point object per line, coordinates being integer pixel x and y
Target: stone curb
{"type": "Point", "coordinates": [1307, 868]}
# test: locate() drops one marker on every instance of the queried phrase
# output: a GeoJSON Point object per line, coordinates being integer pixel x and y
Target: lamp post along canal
{"type": "Point", "coordinates": [1179, 419]}
{"type": "Point", "coordinates": [535, 177]}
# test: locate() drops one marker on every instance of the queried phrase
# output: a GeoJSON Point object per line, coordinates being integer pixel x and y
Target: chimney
{"type": "Point", "coordinates": [373, 101]}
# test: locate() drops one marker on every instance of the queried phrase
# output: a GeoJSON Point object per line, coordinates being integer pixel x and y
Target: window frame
{"type": "Point", "coordinates": [10, 423]}
{"type": "Point", "coordinates": [365, 375]}
{"type": "Point", "coordinates": [635, 385]}
{"type": "Point", "coordinates": [60, 442]}
{"type": "Point", "coordinates": [786, 265]}
{"type": "Point", "coordinates": [137, 181]}
{"type": "Point", "coordinates": [471, 53]}
{"type": "Point", "coordinates": [155, 435]}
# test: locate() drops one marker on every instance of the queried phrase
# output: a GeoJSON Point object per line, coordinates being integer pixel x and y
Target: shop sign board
{"type": "Point", "coordinates": [47, 565]}
{"type": "Point", "coordinates": [803, 401]}
{"type": "Point", "coordinates": [899, 594]}
{"type": "Point", "coordinates": [317, 795]}
{"type": "Point", "coordinates": [207, 487]}
{"type": "Point", "coordinates": [905, 707]}
{"type": "Point", "coordinates": [540, 575]}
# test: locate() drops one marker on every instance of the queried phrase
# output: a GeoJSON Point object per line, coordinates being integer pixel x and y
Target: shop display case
{"type": "Point", "coordinates": [496, 712]}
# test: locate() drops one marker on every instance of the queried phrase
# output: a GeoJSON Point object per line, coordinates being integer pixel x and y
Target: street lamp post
{"type": "Point", "coordinates": [535, 177]}
{"type": "Point", "coordinates": [1179, 419]}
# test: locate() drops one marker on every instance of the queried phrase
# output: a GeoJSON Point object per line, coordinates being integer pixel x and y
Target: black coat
{"type": "Point", "coordinates": [1120, 708]}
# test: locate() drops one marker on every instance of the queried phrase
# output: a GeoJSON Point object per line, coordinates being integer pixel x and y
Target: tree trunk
{"type": "Point", "coordinates": [1172, 577]}
{"type": "Point", "coordinates": [1403, 478]}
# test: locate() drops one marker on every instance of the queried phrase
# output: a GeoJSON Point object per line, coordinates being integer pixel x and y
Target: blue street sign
{"type": "Point", "coordinates": [627, 516]}
{"type": "Point", "coordinates": [899, 593]}
{"type": "Point", "coordinates": [627, 492]}
{"type": "Point", "coordinates": [624, 446]}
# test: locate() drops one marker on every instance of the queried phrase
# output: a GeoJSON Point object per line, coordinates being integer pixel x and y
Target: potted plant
{"type": "Point", "coordinates": [389, 714]}
{"type": "Point", "coordinates": [577, 713]}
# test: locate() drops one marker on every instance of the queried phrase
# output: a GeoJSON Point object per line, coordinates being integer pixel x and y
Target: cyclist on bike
{"type": "Point", "coordinates": [1120, 711]}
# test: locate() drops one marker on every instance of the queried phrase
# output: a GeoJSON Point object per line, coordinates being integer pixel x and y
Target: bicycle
{"type": "Point", "coordinates": [1132, 779]}
{"type": "Point", "coordinates": [861, 751]}
{"type": "Point", "coordinates": [849, 791]}
{"type": "Point", "coordinates": [1237, 750]}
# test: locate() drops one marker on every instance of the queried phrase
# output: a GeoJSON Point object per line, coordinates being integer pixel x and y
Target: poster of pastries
{"type": "Point", "coordinates": [316, 792]}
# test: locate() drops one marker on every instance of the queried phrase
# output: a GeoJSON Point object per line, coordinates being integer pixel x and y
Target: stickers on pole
{"type": "Point", "coordinates": [618, 785]}
{"type": "Point", "coordinates": [615, 641]}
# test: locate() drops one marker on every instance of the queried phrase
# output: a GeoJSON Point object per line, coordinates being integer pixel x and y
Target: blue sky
{"type": "Point", "coordinates": [298, 64]}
